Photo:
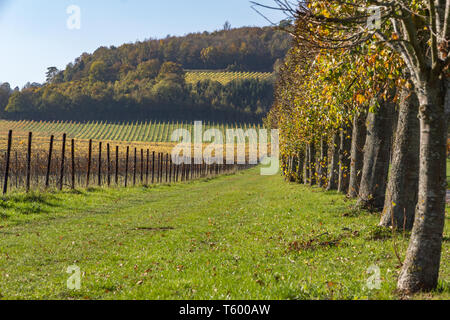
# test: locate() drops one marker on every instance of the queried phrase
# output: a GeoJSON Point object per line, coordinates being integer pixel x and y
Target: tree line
{"type": "Point", "coordinates": [147, 80]}
{"type": "Point", "coordinates": [163, 95]}
{"type": "Point", "coordinates": [360, 105]}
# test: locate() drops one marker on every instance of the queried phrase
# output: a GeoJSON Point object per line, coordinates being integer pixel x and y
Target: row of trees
{"type": "Point", "coordinates": [363, 90]}
{"type": "Point", "coordinates": [152, 91]}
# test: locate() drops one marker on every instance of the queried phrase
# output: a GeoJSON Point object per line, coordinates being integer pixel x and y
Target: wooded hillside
{"type": "Point", "coordinates": [147, 80]}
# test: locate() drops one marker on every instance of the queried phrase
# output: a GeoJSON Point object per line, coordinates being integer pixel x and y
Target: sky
{"type": "Point", "coordinates": [35, 35]}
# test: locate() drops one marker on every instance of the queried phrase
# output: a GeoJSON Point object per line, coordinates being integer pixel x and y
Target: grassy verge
{"type": "Point", "coordinates": [236, 237]}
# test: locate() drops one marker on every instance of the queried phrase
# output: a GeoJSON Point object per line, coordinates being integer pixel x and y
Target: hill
{"type": "Point", "coordinates": [146, 80]}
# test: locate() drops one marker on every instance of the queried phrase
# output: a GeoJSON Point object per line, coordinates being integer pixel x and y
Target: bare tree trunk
{"type": "Point", "coordinates": [357, 153]}
{"type": "Point", "coordinates": [344, 159]}
{"type": "Point", "coordinates": [307, 165]}
{"type": "Point", "coordinates": [293, 168]}
{"type": "Point", "coordinates": [333, 176]}
{"type": "Point", "coordinates": [300, 165]}
{"type": "Point", "coordinates": [312, 164]}
{"type": "Point", "coordinates": [401, 196]}
{"type": "Point", "coordinates": [421, 268]}
{"type": "Point", "coordinates": [323, 164]}
{"type": "Point", "coordinates": [376, 158]}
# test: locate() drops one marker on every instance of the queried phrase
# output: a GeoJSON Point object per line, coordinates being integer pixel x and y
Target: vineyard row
{"type": "Point", "coordinates": [128, 132]}
{"type": "Point", "coordinates": [110, 166]}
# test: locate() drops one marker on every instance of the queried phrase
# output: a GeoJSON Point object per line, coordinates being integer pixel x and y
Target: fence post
{"type": "Point", "coordinates": [49, 163]}
{"type": "Point", "coordinates": [100, 164]}
{"type": "Point", "coordinates": [30, 137]}
{"type": "Point", "coordinates": [63, 155]}
{"type": "Point", "coordinates": [183, 176]}
{"type": "Point", "coordinates": [142, 166]}
{"type": "Point", "coordinates": [89, 163]}
{"type": "Point", "coordinates": [159, 167]}
{"type": "Point", "coordinates": [73, 164]}
{"type": "Point", "coordinates": [108, 159]}
{"type": "Point", "coordinates": [147, 167]}
{"type": "Point", "coordinates": [8, 157]}
{"type": "Point", "coordinates": [153, 167]}
{"type": "Point", "coordinates": [126, 166]}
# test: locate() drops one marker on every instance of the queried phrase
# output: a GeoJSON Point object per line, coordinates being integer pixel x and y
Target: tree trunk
{"type": "Point", "coordinates": [312, 164]}
{"type": "Point", "coordinates": [401, 196]}
{"type": "Point", "coordinates": [421, 268]}
{"type": "Point", "coordinates": [333, 176]}
{"type": "Point", "coordinates": [376, 158]}
{"type": "Point", "coordinates": [300, 165]}
{"type": "Point", "coordinates": [293, 168]}
{"type": "Point", "coordinates": [323, 164]}
{"type": "Point", "coordinates": [344, 159]}
{"type": "Point", "coordinates": [307, 171]}
{"type": "Point", "coordinates": [357, 153]}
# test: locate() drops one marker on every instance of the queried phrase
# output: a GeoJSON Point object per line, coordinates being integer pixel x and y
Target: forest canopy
{"type": "Point", "coordinates": [147, 80]}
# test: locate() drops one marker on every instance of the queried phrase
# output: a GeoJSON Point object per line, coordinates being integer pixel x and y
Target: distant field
{"type": "Point", "coordinates": [224, 77]}
{"type": "Point", "coordinates": [148, 132]}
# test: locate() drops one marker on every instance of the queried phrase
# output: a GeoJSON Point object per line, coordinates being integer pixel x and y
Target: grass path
{"type": "Point", "coordinates": [236, 237]}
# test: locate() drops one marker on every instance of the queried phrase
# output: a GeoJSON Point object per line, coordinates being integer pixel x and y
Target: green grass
{"type": "Point", "coordinates": [235, 237]}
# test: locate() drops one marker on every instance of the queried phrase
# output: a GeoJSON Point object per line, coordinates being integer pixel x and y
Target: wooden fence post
{"type": "Point", "coordinates": [159, 167]}
{"type": "Point", "coordinates": [126, 166]}
{"type": "Point", "coordinates": [30, 137]}
{"type": "Point", "coordinates": [142, 166]}
{"type": "Point", "coordinates": [183, 176]}
{"type": "Point", "coordinates": [108, 159]}
{"type": "Point", "coordinates": [100, 164]}
{"type": "Point", "coordinates": [63, 155]}
{"type": "Point", "coordinates": [153, 167]}
{"type": "Point", "coordinates": [88, 175]}
{"type": "Point", "coordinates": [147, 167]}
{"type": "Point", "coordinates": [8, 157]}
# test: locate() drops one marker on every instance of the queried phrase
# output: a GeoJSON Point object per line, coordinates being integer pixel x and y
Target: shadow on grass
{"type": "Point", "coordinates": [26, 204]}
{"type": "Point", "coordinates": [154, 228]}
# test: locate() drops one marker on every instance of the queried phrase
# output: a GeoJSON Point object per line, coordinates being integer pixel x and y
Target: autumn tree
{"type": "Point", "coordinates": [419, 32]}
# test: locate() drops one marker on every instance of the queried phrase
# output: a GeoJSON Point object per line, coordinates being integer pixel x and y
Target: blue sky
{"type": "Point", "coordinates": [34, 33]}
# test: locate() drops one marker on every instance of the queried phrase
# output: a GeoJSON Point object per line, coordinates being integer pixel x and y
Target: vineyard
{"type": "Point", "coordinates": [148, 132]}
{"type": "Point", "coordinates": [73, 164]}
{"type": "Point", "coordinates": [67, 154]}
{"type": "Point", "coordinates": [225, 77]}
